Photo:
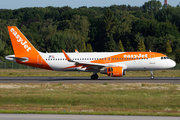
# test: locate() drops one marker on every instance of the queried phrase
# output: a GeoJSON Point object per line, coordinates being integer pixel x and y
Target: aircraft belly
{"type": "Point", "coordinates": [62, 66]}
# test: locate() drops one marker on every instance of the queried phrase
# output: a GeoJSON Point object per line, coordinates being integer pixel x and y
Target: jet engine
{"type": "Point", "coordinates": [113, 71]}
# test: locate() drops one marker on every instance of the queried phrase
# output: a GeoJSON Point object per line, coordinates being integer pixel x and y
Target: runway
{"type": "Point", "coordinates": [174, 80]}
{"type": "Point", "coordinates": [80, 117]}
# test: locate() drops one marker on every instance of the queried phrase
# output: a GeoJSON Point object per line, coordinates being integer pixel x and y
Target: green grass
{"type": "Point", "coordinates": [109, 99]}
{"type": "Point", "coordinates": [41, 72]}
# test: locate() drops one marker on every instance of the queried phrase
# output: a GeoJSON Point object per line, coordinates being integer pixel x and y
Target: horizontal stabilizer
{"type": "Point", "coordinates": [13, 58]}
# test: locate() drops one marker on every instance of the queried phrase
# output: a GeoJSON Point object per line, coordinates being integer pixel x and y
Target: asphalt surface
{"type": "Point", "coordinates": [174, 80]}
{"type": "Point", "coordinates": [80, 117]}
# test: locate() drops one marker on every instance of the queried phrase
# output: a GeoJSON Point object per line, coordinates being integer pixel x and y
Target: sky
{"type": "Point", "coordinates": [15, 4]}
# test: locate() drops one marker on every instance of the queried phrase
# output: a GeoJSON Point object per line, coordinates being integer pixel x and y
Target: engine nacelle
{"type": "Point", "coordinates": [113, 71]}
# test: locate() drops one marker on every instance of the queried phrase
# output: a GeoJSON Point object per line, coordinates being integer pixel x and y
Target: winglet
{"type": "Point", "coordinates": [67, 57]}
{"type": "Point", "coordinates": [76, 51]}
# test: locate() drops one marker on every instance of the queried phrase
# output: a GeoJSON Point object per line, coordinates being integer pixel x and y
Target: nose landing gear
{"type": "Point", "coordinates": [152, 76]}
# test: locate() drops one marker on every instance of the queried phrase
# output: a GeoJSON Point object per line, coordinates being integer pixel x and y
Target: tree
{"type": "Point", "coordinates": [57, 43]}
{"type": "Point", "coordinates": [177, 56]}
{"type": "Point", "coordinates": [72, 40]}
{"type": "Point", "coordinates": [152, 6]}
{"type": "Point", "coordinates": [2, 45]}
{"type": "Point", "coordinates": [110, 23]}
{"type": "Point", "coordinates": [141, 46]}
{"type": "Point", "coordinates": [110, 46]}
{"type": "Point", "coordinates": [168, 47]}
{"type": "Point", "coordinates": [120, 46]}
{"type": "Point", "coordinates": [89, 48]}
{"type": "Point", "coordinates": [82, 46]}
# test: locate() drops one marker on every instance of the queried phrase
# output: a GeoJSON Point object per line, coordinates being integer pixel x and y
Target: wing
{"type": "Point", "coordinates": [90, 66]}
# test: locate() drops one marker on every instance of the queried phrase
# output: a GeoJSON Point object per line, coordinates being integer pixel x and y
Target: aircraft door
{"type": "Point", "coordinates": [152, 59]}
{"type": "Point", "coordinates": [39, 60]}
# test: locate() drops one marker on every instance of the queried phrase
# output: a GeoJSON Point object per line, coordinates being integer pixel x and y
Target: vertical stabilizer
{"type": "Point", "coordinates": [25, 52]}
{"type": "Point", "coordinates": [20, 43]}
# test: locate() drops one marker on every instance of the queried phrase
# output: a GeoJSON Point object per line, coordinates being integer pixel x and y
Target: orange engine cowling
{"type": "Point", "coordinates": [115, 71]}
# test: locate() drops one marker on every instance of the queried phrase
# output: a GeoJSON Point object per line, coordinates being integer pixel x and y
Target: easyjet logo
{"type": "Point", "coordinates": [19, 39]}
{"type": "Point", "coordinates": [136, 56]}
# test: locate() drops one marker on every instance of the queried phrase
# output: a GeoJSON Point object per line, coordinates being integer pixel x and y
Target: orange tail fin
{"type": "Point", "coordinates": [20, 43]}
{"type": "Point", "coordinates": [25, 52]}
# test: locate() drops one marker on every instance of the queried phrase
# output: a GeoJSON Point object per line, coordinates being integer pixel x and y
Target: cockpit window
{"type": "Point", "coordinates": [163, 58]}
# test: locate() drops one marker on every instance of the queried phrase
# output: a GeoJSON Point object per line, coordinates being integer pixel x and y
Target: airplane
{"type": "Point", "coordinates": [114, 64]}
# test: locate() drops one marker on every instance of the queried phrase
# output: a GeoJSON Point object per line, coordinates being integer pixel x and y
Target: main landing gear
{"type": "Point", "coordinates": [152, 76]}
{"type": "Point", "coordinates": [94, 76]}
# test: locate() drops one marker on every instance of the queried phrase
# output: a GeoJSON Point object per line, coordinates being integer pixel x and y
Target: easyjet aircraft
{"type": "Point", "coordinates": [113, 64]}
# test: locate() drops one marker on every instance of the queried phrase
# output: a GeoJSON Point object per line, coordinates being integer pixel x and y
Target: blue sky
{"type": "Point", "coordinates": [15, 4]}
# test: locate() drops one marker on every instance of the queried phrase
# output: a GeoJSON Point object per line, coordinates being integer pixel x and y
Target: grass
{"type": "Point", "coordinates": [108, 99]}
{"type": "Point", "coordinates": [41, 72]}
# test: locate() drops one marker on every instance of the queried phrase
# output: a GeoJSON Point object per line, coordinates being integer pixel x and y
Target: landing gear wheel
{"type": "Point", "coordinates": [94, 77]}
{"type": "Point", "coordinates": [152, 76]}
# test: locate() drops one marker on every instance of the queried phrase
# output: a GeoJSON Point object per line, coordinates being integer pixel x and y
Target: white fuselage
{"type": "Point", "coordinates": [57, 61]}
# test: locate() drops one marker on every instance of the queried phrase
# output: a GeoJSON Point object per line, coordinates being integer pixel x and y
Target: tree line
{"type": "Point", "coordinates": [115, 28]}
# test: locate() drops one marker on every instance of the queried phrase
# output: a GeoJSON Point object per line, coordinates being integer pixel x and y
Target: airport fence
{"type": "Point", "coordinates": [13, 65]}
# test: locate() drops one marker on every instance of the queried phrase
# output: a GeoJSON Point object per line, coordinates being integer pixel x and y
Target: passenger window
{"type": "Point", "coordinates": [164, 57]}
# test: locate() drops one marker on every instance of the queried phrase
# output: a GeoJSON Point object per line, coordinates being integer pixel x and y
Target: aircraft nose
{"type": "Point", "coordinates": [173, 64]}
